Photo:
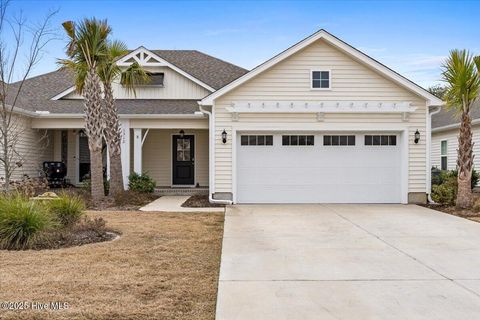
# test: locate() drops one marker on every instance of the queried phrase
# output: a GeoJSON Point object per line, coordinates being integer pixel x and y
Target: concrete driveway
{"type": "Point", "coordinates": [348, 262]}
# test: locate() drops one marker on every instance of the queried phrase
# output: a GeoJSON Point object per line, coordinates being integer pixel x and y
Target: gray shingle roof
{"type": "Point", "coordinates": [447, 117]}
{"type": "Point", "coordinates": [210, 70]}
{"type": "Point", "coordinates": [38, 91]}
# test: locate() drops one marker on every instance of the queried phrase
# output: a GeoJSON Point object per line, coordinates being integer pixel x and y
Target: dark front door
{"type": "Point", "coordinates": [183, 160]}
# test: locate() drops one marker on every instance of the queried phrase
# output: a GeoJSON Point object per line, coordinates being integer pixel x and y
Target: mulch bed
{"type": "Point", "coordinates": [200, 201]}
{"type": "Point", "coordinates": [128, 201]}
{"type": "Point", "coordinates": [463, 213]}
{"type": "Point", "coordinates": [85, 232]}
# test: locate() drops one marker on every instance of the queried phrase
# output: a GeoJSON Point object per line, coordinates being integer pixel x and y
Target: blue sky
{"type": "Point", "coordinates": [411, 37]}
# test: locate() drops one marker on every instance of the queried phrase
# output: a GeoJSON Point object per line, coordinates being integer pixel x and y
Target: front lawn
{"type": "Point", "coordinates": [164, 266]}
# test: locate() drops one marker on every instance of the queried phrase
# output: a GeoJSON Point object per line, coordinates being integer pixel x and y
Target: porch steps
{"type": "Point", "coordinates": [169, 191]}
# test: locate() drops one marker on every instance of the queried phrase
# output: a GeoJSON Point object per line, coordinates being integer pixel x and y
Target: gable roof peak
{"type": "Point", "coordinates": [340, 45]}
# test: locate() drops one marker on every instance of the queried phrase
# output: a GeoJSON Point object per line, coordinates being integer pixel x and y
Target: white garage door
{"type": "Point", "coordinates": [318, 168]}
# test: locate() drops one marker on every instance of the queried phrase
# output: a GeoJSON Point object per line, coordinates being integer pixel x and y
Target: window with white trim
{"type": "Point", "coordinates": [443, 155]}
{"type": "Point", "coordinates": [320, 79]}
{"type": "Point", "coordinates": [156, 79]}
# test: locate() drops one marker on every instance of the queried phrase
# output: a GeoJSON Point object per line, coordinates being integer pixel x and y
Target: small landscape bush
{"type": "Point", "coordinates": [68, 209]}
{"type": "Point", "coordinates": [22, 222]}
{"type": "Point", "coordinates": [439, 176]}
{"type": "Point", "coordinates": [446, 193]}
{"type": "Point", "coordinates": [476, 205]}
{"type": "Point", "coordinates": [141, 183]}
{"type": "Point", "coordinates": [29, 187]}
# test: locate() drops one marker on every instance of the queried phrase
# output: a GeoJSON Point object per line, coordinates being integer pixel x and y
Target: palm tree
{"type": "Point", "coordinates": [109, 71]}
{"type": "Point", "coordinates": [463, 86]}
{"type": "Point", "coordinates": [86, 51]}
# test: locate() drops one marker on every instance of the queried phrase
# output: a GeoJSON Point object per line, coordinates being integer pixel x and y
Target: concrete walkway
{"type": "Point", "coordinates": [174, 204]}
{"type": "Point", "coordinates": [348, 262]}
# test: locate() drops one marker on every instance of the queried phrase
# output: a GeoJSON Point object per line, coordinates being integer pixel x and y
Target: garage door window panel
{"type": "Point", "coordinates": [339, 140]}
{"type": "Point", "coordinates": [256, 140]}
{"type": "Point", "coordinates": [380, 140]}
{"type": "Point", "coordinates": [298, 140]}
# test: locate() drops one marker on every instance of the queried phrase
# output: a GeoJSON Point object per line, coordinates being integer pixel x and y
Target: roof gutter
{"type": "Point", "coordinates": [211, 160]}
{"type": "Point", "coordinates": [453, 126]}
{"type": "Point", "coordinates": [431, 112]}
{"type": "Point", "coordinates": [123, 116]}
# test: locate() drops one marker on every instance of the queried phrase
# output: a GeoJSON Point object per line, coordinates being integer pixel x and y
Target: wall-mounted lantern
{"type": "Point", "coordinates": [182, 133]}
{"type": "Point", "coordinates": [224, 136]}
{"type": "Point", "coordinates": [417, 136]}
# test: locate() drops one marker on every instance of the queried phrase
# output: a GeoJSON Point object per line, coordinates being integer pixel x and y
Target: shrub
{"type": "Point", "coordinates": [22, 222]}
{"type": "Point", "coordinates": [30, 187]}
{"type": "Point", "coordinates": [439, 177]}
{"type": "Point", "coordinates": [475, 176]}
{"type": "Point", "coordinates": [436, 176]}
{"type": "Point", "coordinates": [446, 193]}
{"type": "Point", "coordinates": [68, 209]}
{"type": "Point", "coordinates": [141, 183]}
{"type": "Point", "coordinates": [476, 205]}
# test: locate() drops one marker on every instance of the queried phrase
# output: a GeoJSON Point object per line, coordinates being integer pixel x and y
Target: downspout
{"type": "Point", "coordinates": [211, 153]}
{"type": "Point", "coordinates": [429, 145]}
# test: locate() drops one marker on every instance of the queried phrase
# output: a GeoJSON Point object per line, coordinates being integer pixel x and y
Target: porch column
{"type": "Point", "coordinates": [125, 149]}
{"type": "Point", "coordinates": [137, 151]}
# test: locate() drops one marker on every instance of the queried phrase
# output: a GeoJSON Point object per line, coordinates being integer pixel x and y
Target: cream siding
{"type": "Point", "coordinates": [452, 145]}
{"type": "Point", "coordinates": [289, 80]}
{"type": "Point", "coordinates": [157, 156]}
{"type": "Point", "coordinates": [34, 147]}
{"type": "Point", "coordinates": [176, 86]}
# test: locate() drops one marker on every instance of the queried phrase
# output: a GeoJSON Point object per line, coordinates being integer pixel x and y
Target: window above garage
{"type": "Point", "coordinates": [320, 79]}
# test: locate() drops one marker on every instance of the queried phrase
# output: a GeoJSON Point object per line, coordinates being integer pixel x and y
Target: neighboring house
{"type": "Point", "coordinates": [445, 129]}
{"type": "Point", "coordinates": [320, 122]}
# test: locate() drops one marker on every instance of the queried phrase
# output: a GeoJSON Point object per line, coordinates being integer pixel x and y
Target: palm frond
{"type": "Point", "coordinates": [117, 49]}
{"type": "Point", "coordinates": [80, 70]}
{"type": "Point", "coordinates": [69, 27]}
{"type": "Point", "coordinates": [134, 76]}
{"type": "Point", "coordinates": [463, 81]}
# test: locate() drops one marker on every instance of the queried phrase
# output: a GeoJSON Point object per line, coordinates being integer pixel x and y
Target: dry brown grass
{"type": "Point", "coordinates": [164, 266]}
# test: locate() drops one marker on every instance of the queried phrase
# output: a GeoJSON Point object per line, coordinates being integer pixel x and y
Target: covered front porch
{"type": "Point", "coordinates": [174, 152]}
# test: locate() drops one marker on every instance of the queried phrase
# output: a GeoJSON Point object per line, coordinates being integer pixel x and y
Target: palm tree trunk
{"type": "Point", "coordinates": [94, 129]}
{"type": "Point", "coordinates": [112, 132]}
{"type": "Point", "coordinates": [465, 162]}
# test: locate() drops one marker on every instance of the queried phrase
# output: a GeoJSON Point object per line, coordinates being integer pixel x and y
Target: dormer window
{"type": "Point", "coordinates": [156, 79]}
{"type": "Point", "coordinates": [321, 79]}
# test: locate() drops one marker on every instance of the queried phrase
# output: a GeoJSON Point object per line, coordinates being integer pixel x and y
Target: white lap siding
{"type": "Point", "coordinates": [289, 80]}
{"type": "Point", "coordinates": [451, 136]}
{"type": "Point", "coordinates": [34, 147]}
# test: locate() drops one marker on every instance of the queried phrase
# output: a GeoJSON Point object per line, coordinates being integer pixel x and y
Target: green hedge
{"type": "Point", "coordinates": [141, 183]}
